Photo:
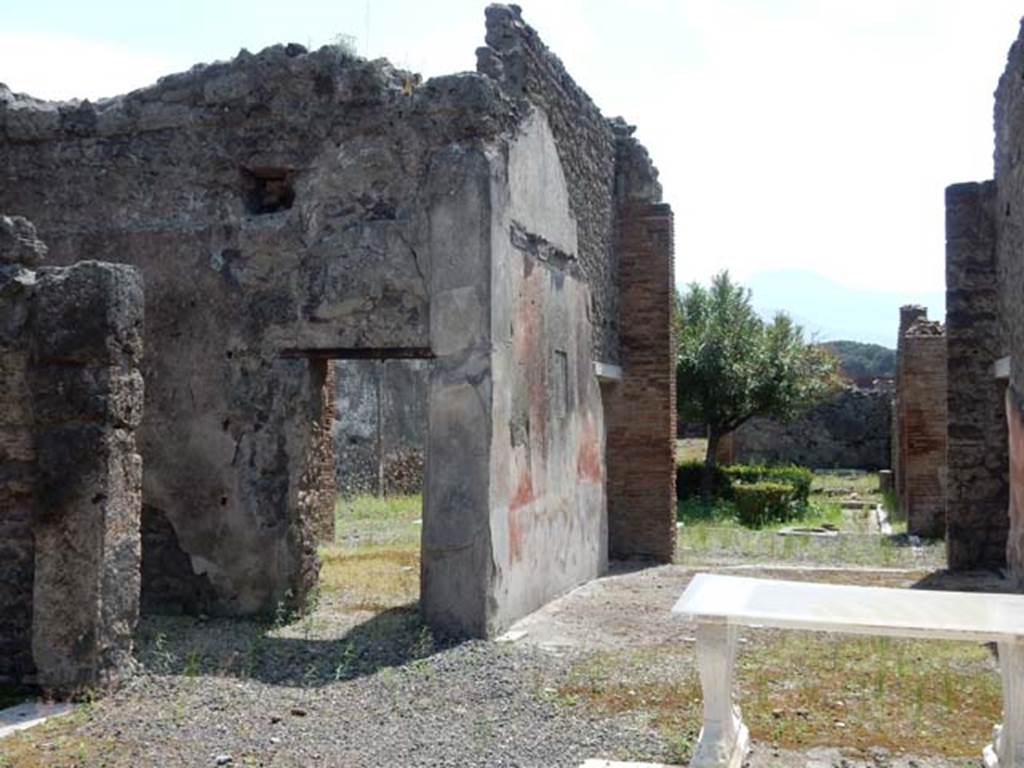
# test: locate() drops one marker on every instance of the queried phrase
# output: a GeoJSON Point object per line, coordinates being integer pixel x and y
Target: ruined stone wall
{"type": "Point", "coordinates": [549, 527]}
{"type": "Point", "coordinates": [921, 427]}
{"type": "Point", "coordinates": [276, 205]}
{"type": "Point", "coordinates": [71, 343]}
{"type": "Point", "coordinates": [380, 425]}
{"type": "Point", "coordinates": [641, 408]}
{"type": "Point", "coordinates": [288, 208]}
{"type": "Point", "coordinates": [525, 505]}
{"type": "Point", "coordinates": [1009, 222]}
{"type": "Point", "coordinates": [516, 57]}
{"type": "Point", "coordinates": [18, 247]}
{"type": "Point", "coordinates": [852, 429]}
{"type": "Point", "coordinates": [977, 483]}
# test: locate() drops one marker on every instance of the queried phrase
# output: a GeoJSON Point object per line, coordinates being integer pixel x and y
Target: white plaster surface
{"type": "Point", "coordinates": [30, 713]}
{"type": "Point", "coordinates": [736, 600]}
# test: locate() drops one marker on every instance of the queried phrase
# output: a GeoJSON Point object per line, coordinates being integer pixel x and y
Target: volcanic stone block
{"type": "Point", "coordinates": [89, 315]}
{"type": "Point", "coordinates": [87, 396]}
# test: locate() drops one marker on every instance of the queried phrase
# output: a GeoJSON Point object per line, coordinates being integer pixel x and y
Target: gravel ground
{"type": "Point", "coordinates": [474, 704]}
{"type": "Point", "coordinates": [345, 688]}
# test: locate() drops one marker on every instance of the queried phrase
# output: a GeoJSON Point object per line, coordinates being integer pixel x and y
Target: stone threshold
{"type": "Point", "coordinates": [28, 714]}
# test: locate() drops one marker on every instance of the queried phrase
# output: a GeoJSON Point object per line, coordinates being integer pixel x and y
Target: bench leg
{"type": "Point", "coordinates": [1007, 747]}
{"type": "Point", "coordinates": [724, 738]}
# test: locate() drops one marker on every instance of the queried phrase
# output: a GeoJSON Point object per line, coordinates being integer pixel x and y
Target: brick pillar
{"type": "Point", "coordinates": [977, 483]}
{"type": "Point", "coordinates": [921, 422]}
{"type": "Point", "coordinates": [640, 410]}
{"type": "Point", "coordinates": [908, 315]}
{"type": "Point", "coordinates": [87, 398]}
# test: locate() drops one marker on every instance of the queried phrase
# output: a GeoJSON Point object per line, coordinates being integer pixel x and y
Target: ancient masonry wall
{"type": "Point", "coordinates": [315, 207]}
{"type": "Point", "coordinates": [290, 227]}
{"type": "Point", "coordinates": [516, 57]}
{"type": "Point", "coordinates": [977, 481]}
{"type": "Point", "coordinates": [379, 426]}
{"type": "Point", "coordinates": [641, 420]}
{"type": "Point", "coordinates": [70, 346]}
{"type": "Point", "coordinates": [850, 430]}
{"type": "Point", "coordinates": [1009, 222]}
{"type": "Point", "coordinates": [921, 424]}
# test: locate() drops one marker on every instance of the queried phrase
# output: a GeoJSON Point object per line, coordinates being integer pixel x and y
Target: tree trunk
{"type": "Point", "coordinates": [707, 478]}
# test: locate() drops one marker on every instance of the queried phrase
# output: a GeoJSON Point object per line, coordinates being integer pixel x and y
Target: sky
{"type": "Point", "coordinates": [794, 137]}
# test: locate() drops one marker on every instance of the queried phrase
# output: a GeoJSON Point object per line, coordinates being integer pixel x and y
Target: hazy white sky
{"type": "Point", "coordinates": [791, 134]}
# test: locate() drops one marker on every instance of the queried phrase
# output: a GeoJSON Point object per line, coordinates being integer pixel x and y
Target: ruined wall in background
{"type": "Point", "coordinates": [641, 408]}
{"type": "Point", "coordinates": [977, 482]}
{"type": "Point", "coordinates": [908, 315]}
{"type": "Point", "coordinates": [517, 58]}
{"type": "Point", "coordinates": [70, 346]}
{"type": "Point", "coordinates": [380, 425]}
{"type": "Point", "coordinates": [850, 430]}
{"type": "Point", "coordinates": [318, 487]}
{"type": "Point", "coordinates": [920, 425]}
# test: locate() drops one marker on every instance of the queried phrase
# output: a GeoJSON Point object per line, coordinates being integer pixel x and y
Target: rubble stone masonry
{"type": "Point", "coordinates": [977, 481]}
{"type": "Point", "coordinates": [71, 400]}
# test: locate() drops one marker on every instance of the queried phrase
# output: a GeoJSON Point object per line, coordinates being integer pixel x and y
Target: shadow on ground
{"type": "Point", "coordinates": [309, 652]}
{"type": "Point", "coordinates": [969, 581]}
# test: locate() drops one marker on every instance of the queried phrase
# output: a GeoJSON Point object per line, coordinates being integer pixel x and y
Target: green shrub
{"type": "Point", "coordinates": [799, 478]}
{"type": "Point", "coordinates": [765, 502]}
{"type": "Point", "coordinates": [688, 476]}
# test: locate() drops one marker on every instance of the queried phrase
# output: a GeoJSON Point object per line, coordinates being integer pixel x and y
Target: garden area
{"type": "Point", "coordinates": [791, 514]}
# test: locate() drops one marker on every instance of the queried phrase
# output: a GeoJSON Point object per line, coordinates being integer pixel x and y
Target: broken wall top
{"type": "Point", "coordinates": [604, 164]}
{"type": "Point", "coordinates": [292, 84]}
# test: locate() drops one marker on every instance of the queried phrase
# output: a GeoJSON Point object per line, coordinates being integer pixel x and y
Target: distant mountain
{"type": "Point", "coordinates": [864, 362]}
{"type": "Point", "coordinates": [830, 311]}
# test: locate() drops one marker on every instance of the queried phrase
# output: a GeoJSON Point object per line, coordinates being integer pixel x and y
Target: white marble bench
{"type": "Point", "coordinates": [720, 604]}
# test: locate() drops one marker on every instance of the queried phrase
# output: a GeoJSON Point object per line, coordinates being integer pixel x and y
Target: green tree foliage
{"type": "Point", "coordinates": [862, 362]}
{"type": "Point", "coordinates": [732, 365]}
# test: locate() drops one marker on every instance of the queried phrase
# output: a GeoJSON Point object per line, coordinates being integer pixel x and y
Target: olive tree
{"type": "Point", "coordinates": [732, 365]}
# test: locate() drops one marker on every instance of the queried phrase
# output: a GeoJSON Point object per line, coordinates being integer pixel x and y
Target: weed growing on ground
{"type": "Point", "coordinates": [799, 691]}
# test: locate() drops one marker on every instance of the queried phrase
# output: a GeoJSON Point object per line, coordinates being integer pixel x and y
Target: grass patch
{"type": "Point", "coordinates": [710, 545]}
{"type": "Point", "coordinates": [58, 742]}
{"type": "Point", "coordinates": [864, 484]}
{"type": "Point", "coordinates": [371, 578]}
{"type": "Point", "coordinates": [801, 690]}
{"type": "Point", "coordinates": [378, 520]}
{"type": "Point", "coordinates": [374, 564]}
{"type": "Point", "coordinates": [722, 513]}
